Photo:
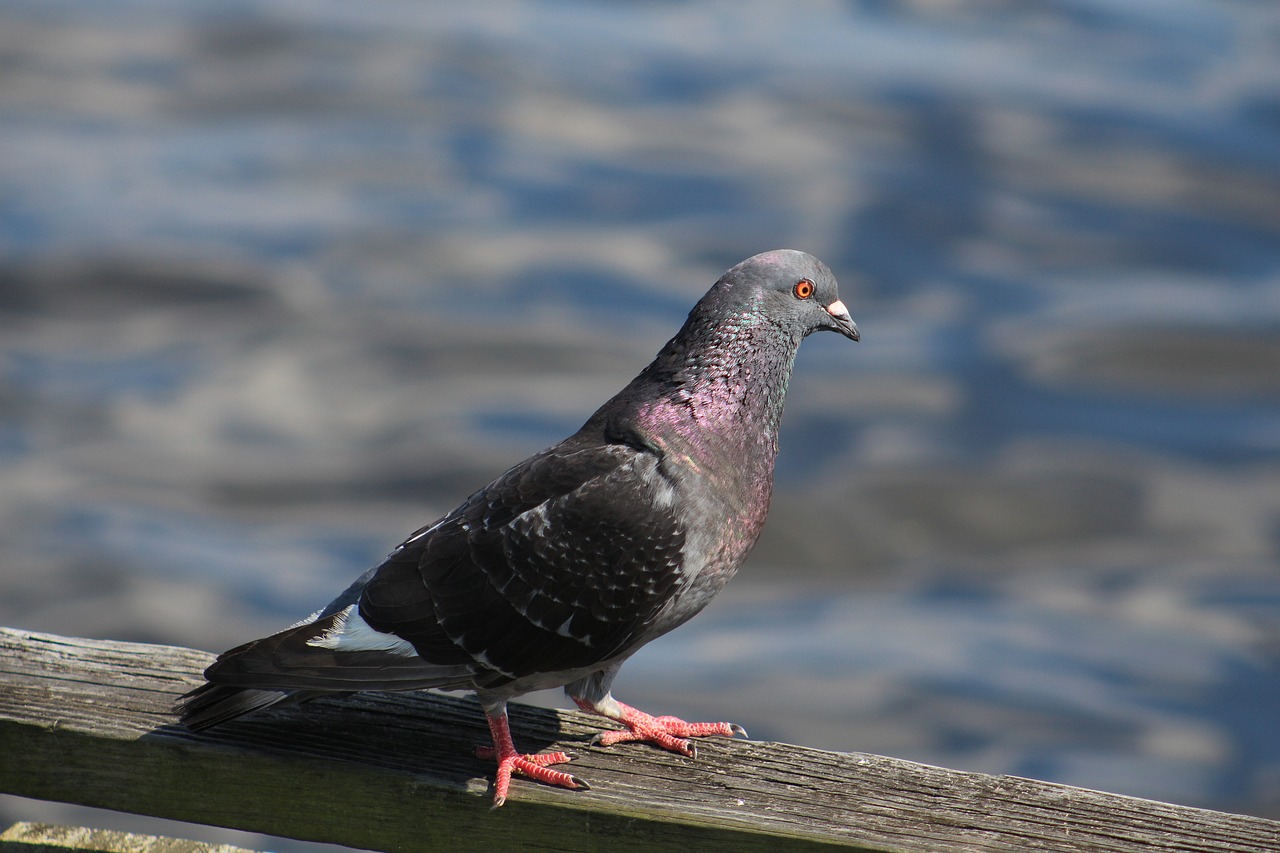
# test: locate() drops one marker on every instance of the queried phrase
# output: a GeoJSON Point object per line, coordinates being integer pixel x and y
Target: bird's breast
{"type": "Point", "coordinates": [723, 509]}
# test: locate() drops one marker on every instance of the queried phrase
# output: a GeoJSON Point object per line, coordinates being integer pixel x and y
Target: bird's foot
{"type": "Point", "coordinates": [537, 767]}
{"type": "Point", "coordinates": [670, 733]}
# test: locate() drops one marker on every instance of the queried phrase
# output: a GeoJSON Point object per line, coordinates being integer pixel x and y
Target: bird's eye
{"type": "Point", "coordinates": [803, 289]}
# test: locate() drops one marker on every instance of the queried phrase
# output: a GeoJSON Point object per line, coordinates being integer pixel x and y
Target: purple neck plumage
{"type": "Point", "coordinates": [710, 404]}
{"type": "Point", "coordinates": [714, 394]}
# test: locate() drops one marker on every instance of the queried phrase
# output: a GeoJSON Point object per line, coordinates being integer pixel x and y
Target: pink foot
{"type": "Point", "coordinates": [533, 766]}
{"type": "Point", "coordinates": [667, 732]}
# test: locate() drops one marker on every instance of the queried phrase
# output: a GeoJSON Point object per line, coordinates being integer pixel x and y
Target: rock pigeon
{"type": "Point", "coordinates": [560, 569]}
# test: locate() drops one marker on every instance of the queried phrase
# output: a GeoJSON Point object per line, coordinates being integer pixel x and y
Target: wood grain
{"type": "Point", "coordinates": [89, 722]}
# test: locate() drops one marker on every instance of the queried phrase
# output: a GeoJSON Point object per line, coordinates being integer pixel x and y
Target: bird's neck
{"type": "Point", "coordinates": [715, 392]}
{"type": "Point", "coordinates": [710, 405]}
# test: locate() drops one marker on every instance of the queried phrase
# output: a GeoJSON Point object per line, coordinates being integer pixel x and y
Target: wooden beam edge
{"type": "Point", "coordinates": [26, 837]}
{"type": "Point", "coordinates": [89, 721]}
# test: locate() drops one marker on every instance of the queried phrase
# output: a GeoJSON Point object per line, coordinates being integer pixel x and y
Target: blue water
{"type": "Point", "coordinates": [280, 282]}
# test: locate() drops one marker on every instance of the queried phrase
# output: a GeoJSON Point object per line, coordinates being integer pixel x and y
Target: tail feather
{"type": "Point", "coordinates": [289, 667]}
{"type": "Point", "coordinates": [213, 704]}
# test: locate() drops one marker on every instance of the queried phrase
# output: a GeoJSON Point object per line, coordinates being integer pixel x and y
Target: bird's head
{"type": "Point", "coordinates": [792, 289]}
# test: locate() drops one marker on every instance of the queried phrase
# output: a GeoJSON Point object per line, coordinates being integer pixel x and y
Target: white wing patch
{"type": "Point", "coordinates": [313, 617]}
{"type": "Point", "coordinates": [535, 518]}
{"type": "Point", "coordinates": [350, 633]}
{"type": "Point", "coordinates": [483, 660]}
{"type": "Point", "coordinates": [420, 534]}
{"type": "Point", "coordinates": [664, 494]}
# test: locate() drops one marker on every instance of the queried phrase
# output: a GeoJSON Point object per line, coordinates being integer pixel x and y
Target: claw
{"type": "Point", "coordinates": [532, 766]}
{"type": "Point", "coordinates": [670, 733]}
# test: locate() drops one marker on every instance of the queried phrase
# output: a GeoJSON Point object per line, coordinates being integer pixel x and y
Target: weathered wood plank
{"type": "Point", "coordinates": [47, 838]}
{"type": "Point", "coordinates": [89, 722]}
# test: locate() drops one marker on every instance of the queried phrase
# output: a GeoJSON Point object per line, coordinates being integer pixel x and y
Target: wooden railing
{"type": "Point", "coordinates": [90, 722]}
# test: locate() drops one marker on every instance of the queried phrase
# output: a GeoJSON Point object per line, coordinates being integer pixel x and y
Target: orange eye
{"type": "Point", "coordinates": [803, 289]}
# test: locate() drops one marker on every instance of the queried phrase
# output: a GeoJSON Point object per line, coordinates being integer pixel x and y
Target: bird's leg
{"type": "Point", "coordinates": [667, 732]}
{"type": "Point", "coordinates": [509, 761]}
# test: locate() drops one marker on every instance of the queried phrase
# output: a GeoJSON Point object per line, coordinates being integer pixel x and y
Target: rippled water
{"type": "Point", "coordinates": [282, 281]}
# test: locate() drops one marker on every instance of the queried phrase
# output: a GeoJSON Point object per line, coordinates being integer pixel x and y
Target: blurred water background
{"type": "Point", "coordinates": [281, 281]}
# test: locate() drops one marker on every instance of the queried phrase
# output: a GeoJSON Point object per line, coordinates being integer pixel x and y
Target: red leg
{"type": "Point", "coordinates": [533, 766]}
{"type": "Point", "coordinates": [667, 732]}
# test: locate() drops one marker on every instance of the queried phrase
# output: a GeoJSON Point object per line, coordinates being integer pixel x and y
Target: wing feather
{"type": "Point", "coordinates": [561, 563]}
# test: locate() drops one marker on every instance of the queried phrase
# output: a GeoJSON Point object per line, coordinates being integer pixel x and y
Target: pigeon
{"type": "Point", "coordinates": [560, 569]}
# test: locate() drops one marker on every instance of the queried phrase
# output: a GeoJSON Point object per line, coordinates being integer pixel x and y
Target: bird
{"type": "Point", "coordinates": [563, 567]}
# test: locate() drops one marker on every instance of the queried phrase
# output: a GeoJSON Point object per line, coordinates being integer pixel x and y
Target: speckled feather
{"type": "Point", "coordinates": [560, 564]}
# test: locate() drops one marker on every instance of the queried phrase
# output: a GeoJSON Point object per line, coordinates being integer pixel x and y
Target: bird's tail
{"type": "Point", "coordinates": [292, 666]}
{"type": "Point", "coordinates": [213, 704]}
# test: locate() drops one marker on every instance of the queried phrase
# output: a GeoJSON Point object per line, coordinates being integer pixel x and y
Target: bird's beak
{"type": "Point", "coordinates": [843, 322]}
